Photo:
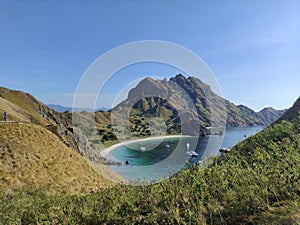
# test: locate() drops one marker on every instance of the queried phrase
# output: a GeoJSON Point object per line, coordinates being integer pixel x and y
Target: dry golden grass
{"type": "Point", "coordinates": [23, 104]}
{"type": "Point", "coordinates": [15, 113]}
{"type": "Point", "coordinates": [31, 155]}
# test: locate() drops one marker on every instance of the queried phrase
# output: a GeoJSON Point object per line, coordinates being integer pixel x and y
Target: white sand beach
{"type": "Point", "coordinates": [105, 151]}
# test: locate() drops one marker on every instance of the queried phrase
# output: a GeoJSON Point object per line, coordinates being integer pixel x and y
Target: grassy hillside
{"type": "Point", "coordinates": [292, 114]}
{"type": "Point", "coordinates": [27, 105]}
{"type": "Point", "coordinates": [258, 182]}
{"type": "Point", "coordinates": [15, 113]}
{"type": "Point", "coordinates": [33, 156]}
{"type": "Point", "coordinates": [23, 107]}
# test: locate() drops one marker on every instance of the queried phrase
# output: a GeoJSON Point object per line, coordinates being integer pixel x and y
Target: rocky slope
{"type": "Point", "coordinates": [179, 96]}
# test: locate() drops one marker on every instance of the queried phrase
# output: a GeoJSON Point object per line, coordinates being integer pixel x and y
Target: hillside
{"type": "Point", "coordinates": [256, 183]}
{"type": "Point", "coordinates": [23, 107]}
{"type": "Point", "coordinates": [174, 99]}
{"type": "Point", "coordinates": [33, 156]}
{"type": "Point", "coordinates": [15, 113]}
{"type": "Point", "coordinates": [269, 115]}
{"type": "Point", "coordinates": [292, 114]}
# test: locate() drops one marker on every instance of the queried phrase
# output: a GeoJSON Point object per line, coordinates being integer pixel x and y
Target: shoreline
{"type": "Point", "coordinates": [106, 151]}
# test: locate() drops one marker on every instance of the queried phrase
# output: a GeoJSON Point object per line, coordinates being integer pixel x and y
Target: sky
{"type": "Point", "coordinates": [251, 46]}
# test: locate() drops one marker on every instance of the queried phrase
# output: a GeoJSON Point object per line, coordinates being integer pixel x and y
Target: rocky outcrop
{"type": "Point", "coordinates": [85, 149]}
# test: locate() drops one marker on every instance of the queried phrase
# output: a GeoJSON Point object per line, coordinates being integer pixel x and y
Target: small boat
{"type": "Point", "coordinates": [143, 148]}
{"type": "Point", "coordinates": [192, 153]}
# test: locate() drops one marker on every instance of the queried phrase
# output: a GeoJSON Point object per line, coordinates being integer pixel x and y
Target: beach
{"type": "Point", "coordinates": [106, 151]}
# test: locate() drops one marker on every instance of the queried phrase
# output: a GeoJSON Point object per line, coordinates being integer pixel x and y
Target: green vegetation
{"type": "Point", "coordinates": [258, 182]}
{"type": "Point", "coordinates": [140, 125]}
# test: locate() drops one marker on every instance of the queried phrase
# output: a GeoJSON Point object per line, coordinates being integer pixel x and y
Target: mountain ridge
{"type": "Point", "coordinates": [167, 97]}
{"type": "Point", "coordinates": [184, 106]}
{"type": "Point", "coordinates": [61, 108]}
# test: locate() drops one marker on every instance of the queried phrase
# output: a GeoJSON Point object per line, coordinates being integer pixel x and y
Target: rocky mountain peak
{"type": "Point", "coordinates": [181, 93]}
{"type": "Point", "coordinates": [149, 87]}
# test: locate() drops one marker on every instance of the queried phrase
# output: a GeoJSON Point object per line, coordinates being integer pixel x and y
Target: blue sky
{"type": "Point", "coordinates": [253, 47]}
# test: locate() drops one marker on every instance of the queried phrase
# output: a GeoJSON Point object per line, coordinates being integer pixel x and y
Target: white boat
{"type": "Point", "coordinates": [192, 153]}
{"type": "Point", "coordinates": [143, 149]}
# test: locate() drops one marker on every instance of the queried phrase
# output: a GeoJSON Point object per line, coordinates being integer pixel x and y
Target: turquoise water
{"type": "Point", "coordinates": [151, 160]}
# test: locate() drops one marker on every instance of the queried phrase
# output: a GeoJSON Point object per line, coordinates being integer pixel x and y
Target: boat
{"type": "Point", "coordinates": [190, 153]}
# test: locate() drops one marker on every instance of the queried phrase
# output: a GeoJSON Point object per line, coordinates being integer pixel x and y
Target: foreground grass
{"type": "Point", "coordinates": [257, 183]}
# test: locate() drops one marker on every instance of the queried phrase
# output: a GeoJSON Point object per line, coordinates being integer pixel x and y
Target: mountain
{"type": "Point", "coordinates": [167, 100]}
{"type": "Point", "coordinates": [269, 115]}
{"type": "Point", "coordinates": [191, 100]}
{"type": "Point", "coordinates": [60, 108]}
{"type": "Point", "coordinates": [179, 105]}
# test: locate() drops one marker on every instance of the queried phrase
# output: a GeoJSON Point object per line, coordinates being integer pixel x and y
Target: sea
{"type": "Point", "coordinates": [148, 161]}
